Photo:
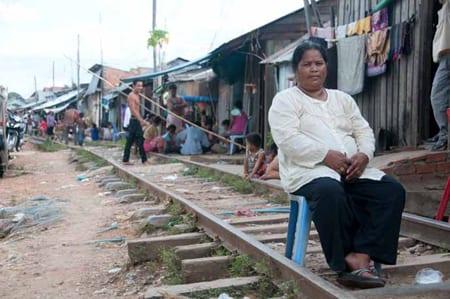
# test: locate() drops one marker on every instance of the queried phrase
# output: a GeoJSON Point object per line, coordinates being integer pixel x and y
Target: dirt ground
{"type": "Point", "coordinates": [58, 260]}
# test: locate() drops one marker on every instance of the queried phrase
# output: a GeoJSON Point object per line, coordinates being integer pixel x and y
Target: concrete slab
{"type": "Point", "coordinates": [205, 269]}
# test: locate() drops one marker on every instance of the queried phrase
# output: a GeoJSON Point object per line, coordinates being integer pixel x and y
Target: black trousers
{"type": "Point", "coordinates": [363, 216]}
{"type": "Point", "coordinates": [135, 135]}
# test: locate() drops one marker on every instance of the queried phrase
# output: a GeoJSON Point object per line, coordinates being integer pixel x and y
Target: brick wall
{"type": "Point", "coordinates": [428, 167]}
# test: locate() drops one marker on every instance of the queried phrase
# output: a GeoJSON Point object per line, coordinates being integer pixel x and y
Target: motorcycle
{"type": "Point", "coordinates": [15, 131]}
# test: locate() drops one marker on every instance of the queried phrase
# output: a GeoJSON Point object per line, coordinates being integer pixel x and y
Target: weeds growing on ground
{"type": "Point", "coordinates": [238, 184]}
{"type": "Point", "coordinates": [242, 265]}
{"type": "Point", "coordinates": [172, 265]}
{"type": "Point", "coordinates": [89, 157]}
{"type": "Point", "coordinates": [50, 146]}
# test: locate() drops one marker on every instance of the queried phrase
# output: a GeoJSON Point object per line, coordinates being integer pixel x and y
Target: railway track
{"type": "Point", "coordinates": [214, 198]}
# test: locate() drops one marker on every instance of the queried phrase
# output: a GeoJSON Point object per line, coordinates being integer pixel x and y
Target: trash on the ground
{"type": "Point", "coordinates": [245, 212]}
{"type": "Point", "coordinates": [113, 225]}
{"type": "Point", "coordinates": [224, 296]}
{"type": "Point", "coordinates": [428, 275]}
{"type": "Point", "coordinates": [170, 178]}
{"type": "Point", "coordinates": [114, 270]}
{"type": "Point", "coordinates": [105, 193]}
{"type": "Point", "coordinates": [81, 177]}
{"type": "Point", "coordinates": [19, 217]}
{"type": "Point", "coordinates": [39, 210]}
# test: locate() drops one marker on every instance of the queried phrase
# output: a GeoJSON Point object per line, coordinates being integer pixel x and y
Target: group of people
{"type": "Point", "coordinates": [179, 133]}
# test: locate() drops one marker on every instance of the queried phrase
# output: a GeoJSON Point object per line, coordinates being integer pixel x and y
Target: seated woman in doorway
{"type": "Point", "coordinates": [325, 146]}
{"type": "Point", "coordinates": [238, 122]}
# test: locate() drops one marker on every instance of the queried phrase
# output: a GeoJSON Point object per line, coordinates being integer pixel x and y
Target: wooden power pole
{"type": "Point", "coordinates": [153, 29]}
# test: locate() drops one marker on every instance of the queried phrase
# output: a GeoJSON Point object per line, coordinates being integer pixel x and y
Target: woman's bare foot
{"type": "Point", "coordinates": [356, 261]}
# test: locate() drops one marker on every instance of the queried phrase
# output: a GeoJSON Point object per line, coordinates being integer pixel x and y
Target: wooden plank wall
{"type": "Point", "coordinates": [398, 100]}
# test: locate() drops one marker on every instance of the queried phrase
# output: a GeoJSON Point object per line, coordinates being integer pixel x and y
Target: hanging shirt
{"type": "Point", "coordinates": [127, 117]}
{"type": "Point", "coordinates": [441, 41]}
{"type": "Point", "coordinates": [325, 33]}
{"type": "Point", "coordinates": [341, 31]}
{"type": "Point", "coordinates": [363, 26]}
{"type": "Point", "coordinates": [351, 29]}
{"type": "Point", "coordinates": [351, 66]}
{"type": "Point", "coordinates": [377, 48]}
{"type": "Point", "coordinates": [239, 123]}
{"type": "Point", "coordinates": [305, 129]}
{"type": "Point", "coordinates": [380, 20]}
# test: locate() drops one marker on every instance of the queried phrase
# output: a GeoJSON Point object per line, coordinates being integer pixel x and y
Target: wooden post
{"type": "Point", "coordinates": [307, 10]}
{"type": "Point", "coordinates": [316, 13]}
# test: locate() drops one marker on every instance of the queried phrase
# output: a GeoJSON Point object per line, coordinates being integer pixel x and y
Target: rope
{"type": "Point", "coordinates": [159, 106]}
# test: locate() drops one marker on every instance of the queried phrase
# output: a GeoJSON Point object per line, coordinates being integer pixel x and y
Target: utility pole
{"type": "Point", "coordinates": [35, 89]}
{"type": "Point", "coordinates": [78, 67]}
{"type": "Point", "coordinates": [53, 75]}
{"type": "Point", "coordinates": [153, 29]}
{"type": "Point", "coordinates": [307, 9]}
{"type": "Point", "coordinates": [101, 42]}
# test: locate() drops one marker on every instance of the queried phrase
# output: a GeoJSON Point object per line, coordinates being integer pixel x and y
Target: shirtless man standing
{"type": "Point", "coordinates": [71, 116]}
{"type": "Point", "coordinates": [135, 133]}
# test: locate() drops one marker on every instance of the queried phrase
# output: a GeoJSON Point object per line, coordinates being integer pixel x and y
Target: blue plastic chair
{"type": "Point", "coordinates": [298, 230]}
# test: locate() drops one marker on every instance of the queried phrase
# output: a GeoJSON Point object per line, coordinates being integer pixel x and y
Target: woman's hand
{"type": "Point", "coordinates": [358, 164]}
{"type": "Point", "coordinates": [337, 161]}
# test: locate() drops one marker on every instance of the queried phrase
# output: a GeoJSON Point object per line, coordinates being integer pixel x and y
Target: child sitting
{"type": "Point", "coordinates": [254, 157]}
{"type": "Point", "coordinates": [170, 140]}
{"type": "Point", "coordinates": [272, 169]}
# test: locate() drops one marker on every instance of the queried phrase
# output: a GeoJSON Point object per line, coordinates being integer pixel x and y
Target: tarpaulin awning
{"type": "Point", "coordinates": [285, 54]}
{"type": "Point", "coordinates": [61, 107]}
{"type": "Point", "coordinates": [199, 99]}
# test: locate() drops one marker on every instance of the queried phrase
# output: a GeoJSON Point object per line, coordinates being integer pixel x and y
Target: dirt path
{"type": "Point", "coordinates": [57, 261]}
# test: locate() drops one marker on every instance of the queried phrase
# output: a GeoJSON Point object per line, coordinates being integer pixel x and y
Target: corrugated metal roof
{"type": "Point", "coordinates": [93, 85]}
{"type": "Point", "coordinates": [60, 100]}
{"type": "Point", "coordinates": [195, 75]}
{"type": "Point", "coordinates": [149, 76]}
{"type": "Point", "coordinates": [285, 54]}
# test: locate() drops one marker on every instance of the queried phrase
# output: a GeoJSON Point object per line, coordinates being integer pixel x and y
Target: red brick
{"type": "Point", "coordinates": [411, 178]}
{"type": "Point", "coordinates": [443, 167]}
{"type": "Point", "coordinates": [425, 168]}
{"type": "Point", "coordinates": [405, 169]}
{"type": "Point", "coordinates": [437, 157]}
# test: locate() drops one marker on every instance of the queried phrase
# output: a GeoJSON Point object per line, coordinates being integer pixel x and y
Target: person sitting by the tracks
{"type": "Point", "coordinates": [95, 133]}
{"type": "Point", "coordinates": [325, 146]}
{"type": "Point", "coordinates": [152, 138]}
{"type": "Point", "coordinates": [193, 140]}
{"type": "Point", "coordinates": [272, 171]}
{"type": "Point", "coordinates": [170, 140]}
{"type": "Point", "coordinates": [238, 121]}
{"type": "Point", "coordinates": [254, 157]}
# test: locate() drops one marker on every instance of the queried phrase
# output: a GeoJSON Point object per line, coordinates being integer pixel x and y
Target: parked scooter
{"type": "Point", "coordinates": [15, 130]}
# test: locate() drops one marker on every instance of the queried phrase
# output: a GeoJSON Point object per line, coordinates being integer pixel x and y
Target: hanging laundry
{"type": "Point", "coordinates": [363, 26]}
{"type": "Point", "coordinates": [351, 29]}
{"type": "Point", "coordinates": [351, 67]}
{"type": "Point", "coordinates": [341, 31]}
{"type": "Point", "coordinates": [325, 33]}
{"type": "Point", "coordinates": [396, 42]}
{"type": "Point", "coordinates": [377, 48]}
{"type": "Point", "coordinates": [380, 20]}
{"type": "Point", "coordinates": [407, 35]}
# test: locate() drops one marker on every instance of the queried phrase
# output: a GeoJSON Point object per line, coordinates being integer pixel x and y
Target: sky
{"type": "Point", "coordinates": [34, 34]}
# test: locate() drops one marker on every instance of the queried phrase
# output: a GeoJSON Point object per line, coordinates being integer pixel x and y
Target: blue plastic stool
{"type": "Point", "coordinates": [298, 230]}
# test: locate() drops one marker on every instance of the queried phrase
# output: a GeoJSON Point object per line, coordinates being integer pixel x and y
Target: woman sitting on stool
{"type": "Point", "coordinates": [324, 148]}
